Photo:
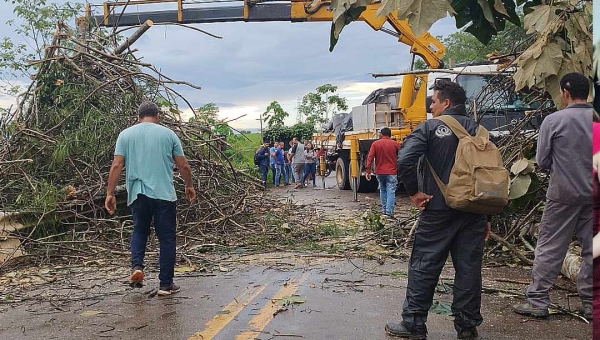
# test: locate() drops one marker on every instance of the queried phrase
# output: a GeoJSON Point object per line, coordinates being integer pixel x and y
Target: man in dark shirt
{"type": "Point", "coordinates": [441, 230]}
{"type": "Point", "coordinates": [564, 147]}
{"type": "Point", "coordinates": [263, 155]}
{"type": "Point", "coordinates": [385, 151]}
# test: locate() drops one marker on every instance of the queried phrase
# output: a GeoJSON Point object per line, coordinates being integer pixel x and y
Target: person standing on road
{"type": "Point", "coordinates": [309, 164]}
{"type": "Point", "coordinates": [385, 152]}
{"type": "Point", "coordinates": [291, 176]}
{"type": "Point", "coordinates": [564, 146]}
{"type": "Point", "coordinates": [272, 163]}
{"type": "Point", "coordinates": [263, 155]}
{"type": "Point", "coordinates": [287, 166]}
{"type": "Point", "coordinates": [278, 155]}
{"type": "Point", "coordinates": [284, 174]}
{"type": "Point", "coordinates": [149, 151]}
{"type": "Point", "coordinates": [441, 230]}
{"type": "Point", "coordinates": [297, 155]}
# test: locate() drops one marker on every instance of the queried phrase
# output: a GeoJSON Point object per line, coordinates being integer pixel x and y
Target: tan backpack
{"type": "Point", "coordinates": [478, 182]}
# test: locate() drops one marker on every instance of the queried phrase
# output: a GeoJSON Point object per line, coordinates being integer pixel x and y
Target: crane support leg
{"type": "Point", "coordinates": [354, 167]}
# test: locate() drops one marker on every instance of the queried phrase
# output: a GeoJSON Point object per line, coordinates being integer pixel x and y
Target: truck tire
{"type": "Point", "coordinates": [341, 174]}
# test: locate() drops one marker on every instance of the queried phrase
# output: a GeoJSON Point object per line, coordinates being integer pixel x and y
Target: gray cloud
{"type": "Point", "coordinates": [256, 63]}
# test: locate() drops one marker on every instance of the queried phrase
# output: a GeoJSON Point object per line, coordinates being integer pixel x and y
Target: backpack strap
{"type": "Point", "coordinates": [443, 187]}
{"type": "Point", "coordinates": [460, 132]}
{"type": "Point", "coordinates": [454, 125]}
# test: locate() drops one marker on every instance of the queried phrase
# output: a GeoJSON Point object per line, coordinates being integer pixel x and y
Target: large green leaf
{"type": "Point", "coordinates": [344, 12]}
{"type": "Point", "coordinates": [519, 186]}
{"type": "Point", "coordinates": [499, 7]}
{"type": "Point", "coordinates": [536, 21]}
{"type": "Point", "coordinates": [441, 307]}
{"type": "Point", "coordinates": [487, 11]}
{"type": "Point", "coordinates": [522, 166]}
{"type": "Point", "coordinates": [421, 14]}
{"type": "Point", "coordinates": [292, 300]}
{"type": "Point", "coordinates": [549, 62]}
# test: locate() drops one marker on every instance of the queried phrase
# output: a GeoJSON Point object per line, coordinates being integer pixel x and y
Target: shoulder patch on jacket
{"type": "Point", "coordinates": [443, 131]}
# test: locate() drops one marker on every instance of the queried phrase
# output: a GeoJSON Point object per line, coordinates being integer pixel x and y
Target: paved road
{"type": "Point", "coordinates": [344, 299]}
{"type": "Point", "coordinates": [341, 302]}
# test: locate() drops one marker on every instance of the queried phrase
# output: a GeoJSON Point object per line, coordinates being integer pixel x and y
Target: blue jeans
{"type": "Point", "coordinates": [264, 171]}
{"type": "Point", "coordinates": [309, 168]}
{"type": "Point", "coordinates": [273, 172]}
{"type": "Point", "coordinates": [284, 173]}
{"type": "Point", "coordinates": [387, 192]}
{"type": "Point", "coordinates": [277, 174]}
{"type": "Point", "coordinates": [289, 173]}
{"type": "Point", "coordinates": [143, 210]}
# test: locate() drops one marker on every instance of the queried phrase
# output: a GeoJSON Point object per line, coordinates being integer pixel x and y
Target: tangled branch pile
{"type": "Point", "coordinates": [517, 226]}
{"type": "Point", "coordinates": [58, 144]}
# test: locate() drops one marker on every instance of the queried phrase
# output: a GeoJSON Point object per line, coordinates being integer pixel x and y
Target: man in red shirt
{"type": "Point", "coordinates": [385, 151]}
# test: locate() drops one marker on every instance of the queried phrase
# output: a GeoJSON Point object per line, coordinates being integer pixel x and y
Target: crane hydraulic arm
{"type": "Point", "coordinates": [425, 45]}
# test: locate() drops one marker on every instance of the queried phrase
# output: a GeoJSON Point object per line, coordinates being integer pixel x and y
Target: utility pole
{"type": "Point", "coordinates": [261, 128]}
{"type": "Point", "coordinates": [298, 114]}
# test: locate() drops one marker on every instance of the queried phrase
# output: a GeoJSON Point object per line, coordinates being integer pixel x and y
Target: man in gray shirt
{"type": "Point", "coordinates": [297, 156]}
{"type": "Point", "coordinates": [564, 147]}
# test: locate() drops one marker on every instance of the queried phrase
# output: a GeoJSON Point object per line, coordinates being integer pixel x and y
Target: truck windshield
{"type": "Point", "coordinates": [490, 93]}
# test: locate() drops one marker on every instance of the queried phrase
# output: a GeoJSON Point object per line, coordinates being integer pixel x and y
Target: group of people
{"type": "Point", "coordinates": [297, 164]}
{"type": "Point", "coordinates": [564, 147]}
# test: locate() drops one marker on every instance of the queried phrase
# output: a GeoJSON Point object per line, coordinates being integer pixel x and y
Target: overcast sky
{"type": "Point", "coordinates": [256, 63]}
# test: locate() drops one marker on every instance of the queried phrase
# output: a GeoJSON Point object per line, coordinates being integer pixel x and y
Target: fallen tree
{"type": "Point", "coordinates": [58, 144]}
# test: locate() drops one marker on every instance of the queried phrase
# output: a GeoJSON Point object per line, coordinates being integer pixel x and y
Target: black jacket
{"type": "Point", "coordinates": [434, 140]}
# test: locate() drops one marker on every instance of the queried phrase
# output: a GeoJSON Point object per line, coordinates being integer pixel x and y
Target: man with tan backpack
{"type": "Point", "coordinates": [463, 182]}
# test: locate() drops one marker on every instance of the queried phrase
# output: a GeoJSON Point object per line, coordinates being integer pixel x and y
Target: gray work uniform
{"type": "Point", "coordinates": [298, 162]}
{"type": "Point", "coordinates": [564, 147]}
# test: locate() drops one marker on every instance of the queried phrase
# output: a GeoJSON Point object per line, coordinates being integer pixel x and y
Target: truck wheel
{"type": "Point", "coordinates": [363, 184]}
{"type": "Point", "coordinates": [372, 185]}
{"type": "Point", "coordinates": [341, 174]}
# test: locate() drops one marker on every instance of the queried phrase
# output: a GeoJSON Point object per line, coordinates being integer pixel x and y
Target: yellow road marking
{"type": "Point", "coordinates": [216, 324]}
{"type": "Point", "coordinates": [265, 315]}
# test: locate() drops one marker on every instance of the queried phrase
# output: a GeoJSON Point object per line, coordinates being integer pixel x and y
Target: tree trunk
{"type": "Point", "coordinates": [572, 263]}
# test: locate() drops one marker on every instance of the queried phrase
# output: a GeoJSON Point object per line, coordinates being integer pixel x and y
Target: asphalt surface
{"type": "Point", "coordinates": [283, 296]}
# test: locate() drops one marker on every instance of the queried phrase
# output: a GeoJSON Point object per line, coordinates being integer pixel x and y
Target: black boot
{"type": "Point", "coordinates": [400, 329]}
{"type": "Point", "coordinates": [466, 333]}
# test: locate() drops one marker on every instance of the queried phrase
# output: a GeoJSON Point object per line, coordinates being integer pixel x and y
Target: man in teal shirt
{"type": "Point", "coordinates": [149, 151]}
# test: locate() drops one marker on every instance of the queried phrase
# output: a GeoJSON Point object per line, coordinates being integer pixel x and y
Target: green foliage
{"type": "Point", "coordinates": [319, 104]}
{"type": "Point", "coordinates": [420, 64]}
{"type": "Point", "coordinates": [464, 47]}
{"type": "Point", "coordinates": [329, 229]}
{"type": "Point", "coordinates": [285, 133]}
{"type": "Point", "coordinates": [372, 219]}
{"type": "Point", "coordinates": [483, 18]}
{"type": "Point", "coordinates": [209, 113]}
{"type": "Point", "coordinates": [243, 147]}
{"type": "Point", "coordinates": [34, 22]}
{"type": "Point", "coordinates": [274, 115]}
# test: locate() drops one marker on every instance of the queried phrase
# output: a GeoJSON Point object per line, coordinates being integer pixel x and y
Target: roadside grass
{"type": "Point", "coordinates": [244, 146]}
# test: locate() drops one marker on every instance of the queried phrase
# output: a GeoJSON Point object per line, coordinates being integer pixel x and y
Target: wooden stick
{"type": "Point", "coordinates": [135, 36]}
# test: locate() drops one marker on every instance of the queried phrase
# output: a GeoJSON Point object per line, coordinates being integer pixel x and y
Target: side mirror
{"type": "Point", "coordinates": [428, 101]}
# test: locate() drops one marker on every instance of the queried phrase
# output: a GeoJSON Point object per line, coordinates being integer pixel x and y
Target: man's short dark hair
{"type": "Point", "coordinates": [147, 109]}
{"type": "Point", "coordinates": [577, 84]}
{"type": "Point", "coordinates": [450, 90]}
{"type": "Point", "coordinates": [386, 132]}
